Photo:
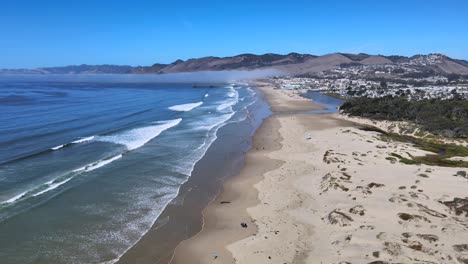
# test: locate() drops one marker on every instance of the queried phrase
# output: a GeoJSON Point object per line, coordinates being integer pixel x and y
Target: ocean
{"type": "Point", "coordinates": [87, 168]}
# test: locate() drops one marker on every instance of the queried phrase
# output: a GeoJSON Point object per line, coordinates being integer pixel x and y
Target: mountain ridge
{"type": "Point", "coordinates": [292, 64]}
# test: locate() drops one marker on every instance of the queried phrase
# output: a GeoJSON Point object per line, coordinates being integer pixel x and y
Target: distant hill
{"type": "Point", "coordinates": [292, 64]}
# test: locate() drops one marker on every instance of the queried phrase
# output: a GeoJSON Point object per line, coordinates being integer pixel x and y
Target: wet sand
{"type": "Point", "coordinates": [333, 197]}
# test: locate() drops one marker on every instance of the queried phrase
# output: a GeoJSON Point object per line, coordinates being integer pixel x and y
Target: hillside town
{"type": "Point", "coordinates": [413, 79]}
{"type": "Point", "coordinates": [344, 87]}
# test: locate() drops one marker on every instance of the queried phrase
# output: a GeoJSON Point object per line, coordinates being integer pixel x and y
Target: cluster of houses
{"type": "Point", "coordinates": [361, 87]}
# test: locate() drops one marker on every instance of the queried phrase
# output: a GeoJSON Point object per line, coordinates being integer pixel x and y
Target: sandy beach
{"type": "Point", "coordinates": [317, 189]}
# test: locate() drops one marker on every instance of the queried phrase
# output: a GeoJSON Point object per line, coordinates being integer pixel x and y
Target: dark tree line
{"type": "Point", "coordinates": [441, 117]}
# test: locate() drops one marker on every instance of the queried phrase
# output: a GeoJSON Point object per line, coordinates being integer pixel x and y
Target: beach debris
{"type": "Point", "coordinates": [309, 136]}
{"type": "Point", "coordinates": [224, 202]}
{"type": "Point", "coordinates": [215, 256]}
{"type": "Point", "coordinates": [244, 225]}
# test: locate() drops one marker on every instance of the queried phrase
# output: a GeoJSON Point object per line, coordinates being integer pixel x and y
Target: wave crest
{"type": "Point", "coordinates": [185, 107]}
{"type": "Point", "coordinates": [137, 137]}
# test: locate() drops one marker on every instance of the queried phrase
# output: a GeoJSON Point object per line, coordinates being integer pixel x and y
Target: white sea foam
{"type": "Point", "coordinates": [225, 105]}
{"type": "Point", "coordinates": [74, 142]}
{"type": "Point", "coordinates": [228, 103]}
{"type": "Point", "coordinates": [52, 185]}
{"type": "Point", "coordinates": [206, 95]}
{"type": "Point", "coordinates": [57, 147]}
{"type": "Point", "coordinates": [138, 137]}
{"type": "Point", "coordinates": [80, 169]}
{"type": "Point", "coordinates": [102, 163]}
{"type": "Point", "coordinates": [83, 140]}
{"type": "Point", "coordinates": [185, 107]}
{"type": "Point", "coordinates": [14, 198]}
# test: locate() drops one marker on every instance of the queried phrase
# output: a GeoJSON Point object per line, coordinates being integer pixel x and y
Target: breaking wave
{"type": "Point", "coordinates": [81, 140]}
{"type": "Point", "coordinates": [185, 107]}
{"type": "Point", "coordinates": [138, 137]}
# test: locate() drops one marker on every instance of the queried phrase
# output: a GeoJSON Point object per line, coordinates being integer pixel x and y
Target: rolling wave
{"type": "Point", "coordinates": [98, 164]}
{"type": "Point", "coordinates": [55, 183]}
{"type": "Point", "coordinates": [57, 147]}
{"type": "Point", "coordinates": [52, 185]}
{"type": "Point", "coordinates": [85, 139]}
{"type": "Point", "coordinates": [132, 139]}
{"type": "Point", "coordinates": [14, 198]}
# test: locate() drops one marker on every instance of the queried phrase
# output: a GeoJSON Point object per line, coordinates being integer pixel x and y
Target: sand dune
{"type": "Point", "coordinates": [334, 198]}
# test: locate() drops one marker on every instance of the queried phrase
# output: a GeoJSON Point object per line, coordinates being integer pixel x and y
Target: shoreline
{"type": "Point", "coordinates": [224, 216]}
{"type": "Point", "coordinates": [231, 201]}
{"type": "Point", "coordinates": [318, 189]}
{"type": "Point", "coordinates": [182, 217]}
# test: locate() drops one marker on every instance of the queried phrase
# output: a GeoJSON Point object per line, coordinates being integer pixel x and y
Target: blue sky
{"type": "Point", "coordinates": [57, 32]}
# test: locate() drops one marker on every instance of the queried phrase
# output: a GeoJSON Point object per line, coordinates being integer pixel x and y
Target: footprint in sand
{"type": "Point", "coordinates": [336, 217]}
{"type": "Point", "coordinates": [428, 237]}
{"type": "Point", "coordinates": [358, 210]}
{"type": "Point", "coordinates": [462, 250]}
{"type": "Point", "coordinates": [413, 218]}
